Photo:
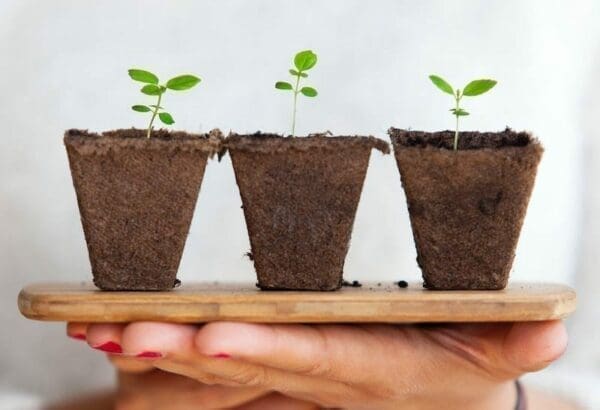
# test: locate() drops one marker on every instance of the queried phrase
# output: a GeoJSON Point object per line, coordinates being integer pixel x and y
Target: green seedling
{"type": "Point", "coordinates": [153, 88]}
{"type": "Point", "coordinates": [303, 61]}
{"type": "Point", "coordinates": [474, 88]}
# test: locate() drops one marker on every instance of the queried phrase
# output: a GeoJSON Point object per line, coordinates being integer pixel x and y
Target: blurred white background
{"type": "Point", "coordinates": [63, 64]}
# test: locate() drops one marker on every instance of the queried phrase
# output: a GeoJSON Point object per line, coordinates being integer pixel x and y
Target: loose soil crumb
{"type": "Point", "coordinates": [353, 284]}
{"type": "Point", "coordinates": [402, 284]}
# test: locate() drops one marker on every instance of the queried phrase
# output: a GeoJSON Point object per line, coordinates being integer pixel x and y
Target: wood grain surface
{"type": "Point", "coordinates": [382, 302]}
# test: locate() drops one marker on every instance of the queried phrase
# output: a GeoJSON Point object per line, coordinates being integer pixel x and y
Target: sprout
{"type": "Point", "coordinates": [303, 61]}
{"type": "Point", "coordinates": [152, 87]}
{"type": "Point", "coordinates": [474, 88]}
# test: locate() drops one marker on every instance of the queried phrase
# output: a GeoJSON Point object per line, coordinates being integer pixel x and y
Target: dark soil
{"type": "Point", "coordinates": [136, 198]}
{"type": "Point", "coordinates": [299, 198]}
{"type": "Point", "coordinates": [353, 284]}
{"type": "Point", "coordinates": [402, 284]}
{"type": "Point", "coordinates": [466, 207]}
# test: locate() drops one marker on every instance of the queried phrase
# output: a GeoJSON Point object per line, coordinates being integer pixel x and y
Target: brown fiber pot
{"type": "Point", "coordinates": [300, 197]}
{"type": "Point", "coordinates": [466, 207]}
{"type": "Point", "coordinates": [136, 198]}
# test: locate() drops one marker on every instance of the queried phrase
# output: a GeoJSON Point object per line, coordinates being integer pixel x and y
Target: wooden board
{"type": "Point", "coordinates": [373, 302]}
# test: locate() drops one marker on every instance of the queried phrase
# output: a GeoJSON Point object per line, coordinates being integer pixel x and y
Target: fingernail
{"type": "Point", "coordinates": [110, 347]}
{"type": "Point", "coordinates": [149, 355]}
{"type": "Point", "coordinates": [221, 356]}
{"type": "Point", "coordinates": [78, 336]}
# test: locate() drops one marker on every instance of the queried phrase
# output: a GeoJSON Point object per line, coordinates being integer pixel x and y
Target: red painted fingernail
{"type": "Point", "coordinates": [110, 347]}
{"type": "Point", "coordinates": [221, 356]}
{"type": "Point", "coordinates": [149, 355]}
{"type": "Point", "coordinates": [78, 336]}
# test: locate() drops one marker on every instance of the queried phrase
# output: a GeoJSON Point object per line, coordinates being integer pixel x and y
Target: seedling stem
{"type": "Point", "coordinates": [154, 115]}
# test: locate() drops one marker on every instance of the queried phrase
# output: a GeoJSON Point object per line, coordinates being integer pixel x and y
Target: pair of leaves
{"type": "Point", "coordinates": [474, 88]}
{"type": "Point", "coordinates": [179, 83]}
{"type": "Point", "coordinates": [165, 117]}
{"type": "Point", "coordinates": [307, 91]}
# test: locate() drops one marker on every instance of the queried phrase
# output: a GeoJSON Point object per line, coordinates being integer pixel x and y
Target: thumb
{"type": "Point", "coordinates": [531, 346]}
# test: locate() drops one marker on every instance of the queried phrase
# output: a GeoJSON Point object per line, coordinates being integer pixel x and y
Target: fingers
{"type": "Point", "coordinates": [108, 338]}
{"type": "Point", "coordinates": [155, 340]}
{"type": "Point", "coordinates": [237, 373]}
{"type": "Point", "coordinates": [161, 390]}
{"type": "Point", "coordinates": [161, 343]}
{"type": "Point", "coordinates": [175, 351]}
{"type": "Point", "coordinates": [129, 364]}
{"type": "Point", "coordinates": [105, 337]}
{"type": "Point", "coordinates": [503, 351]}
{"type": "Point", "coordinates": [532, 346]}
{"type": "Point", "coordinates": [77, 330]}
{"type": "Point", "coordinates": [330, 351]}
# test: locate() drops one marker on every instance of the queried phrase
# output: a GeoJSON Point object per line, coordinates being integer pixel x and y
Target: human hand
{"type": "Point", "coordinates": [468, 366]}
{"type": "Point", "coordinates": [144, 387]}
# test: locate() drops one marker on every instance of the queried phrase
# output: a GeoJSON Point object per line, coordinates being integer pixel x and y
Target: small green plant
{"type": "Point", "coordinates": [153, 88]}
{"type": "Point", "coordinates": [303, 61]}
{"type": "Point", "coordinates": [474, 88]}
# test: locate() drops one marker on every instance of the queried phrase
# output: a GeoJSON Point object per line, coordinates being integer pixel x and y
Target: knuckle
{"type": "Point", "coordinates": [320, 363]}
{"type": "Point", "coordinates": [250, 377]}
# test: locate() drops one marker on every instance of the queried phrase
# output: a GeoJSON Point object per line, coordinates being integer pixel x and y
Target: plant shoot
{"type": "Point", "coordinates": [474, 88]}
{"type": "Point", "coordinates": [153, 88]}
{"type": "Point", "coordinates": [303, 61]}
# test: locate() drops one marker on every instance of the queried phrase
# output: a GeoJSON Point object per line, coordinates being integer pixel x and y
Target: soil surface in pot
{"type": "Point", "coordinates": [299, 197]}
{"type": "Point", "coordinates": [466, 207]}
{"type": "Point", "coordinates": [136, 198]}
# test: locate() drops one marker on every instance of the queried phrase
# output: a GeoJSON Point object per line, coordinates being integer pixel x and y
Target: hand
{"type": "Point", "coordinates": [470, 366]}
{"type": "Point", "coordinates": [143, 387]}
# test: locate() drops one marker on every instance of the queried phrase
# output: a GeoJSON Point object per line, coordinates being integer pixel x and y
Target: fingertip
{"type": "Point", "coordinates": [105, 337]}
{"type": "Point", "coordinates": [151, 340]}
{"type": "Point", "coordinates": [531, 346]}
{"type": "Point", "coordinates": [77, 330]}
{"type": "Point", "coordinates": [226, 339]}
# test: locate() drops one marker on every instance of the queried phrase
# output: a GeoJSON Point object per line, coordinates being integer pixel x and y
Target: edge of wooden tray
{"type": "Point", "coordinates": [374, 302]}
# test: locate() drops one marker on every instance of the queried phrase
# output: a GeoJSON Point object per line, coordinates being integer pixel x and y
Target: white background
{"type": "Point", "coordinates": [63, 64]}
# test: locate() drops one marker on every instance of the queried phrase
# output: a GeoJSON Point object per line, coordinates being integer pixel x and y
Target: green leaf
{"type": "Point", "coordinates": [182, 82]}
{"type": "Point", "coordinates": [478, 87]}
{"type": "Point", "coordinates": [282, 85]}
{"type": "Point", "coordinates": [140, 108]}
{"type": "Point", "coordinates": [308, 91]}
{"type": "Point", "coordinates": [151, 89]}
{"type": "Point", "coordinates": [296, 73]}
{"type": "Point", "coordinates": [305, 60]}
{"type": "Point", "coordinates": [156, 106]}
{"type": "Point", "coordinates": [441, 84]}
{"type": "Point", "coordinates": [166, 118]}
{"type": "Point", "coordinates": [142, 76]}
{"type": "Point", "coordinates": [459, 113]}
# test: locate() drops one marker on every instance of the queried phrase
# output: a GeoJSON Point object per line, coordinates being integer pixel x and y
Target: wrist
{"type": "Point", "coordinates": [504, 397]}
{"type": "Point", "coordinates": [501, 396]}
